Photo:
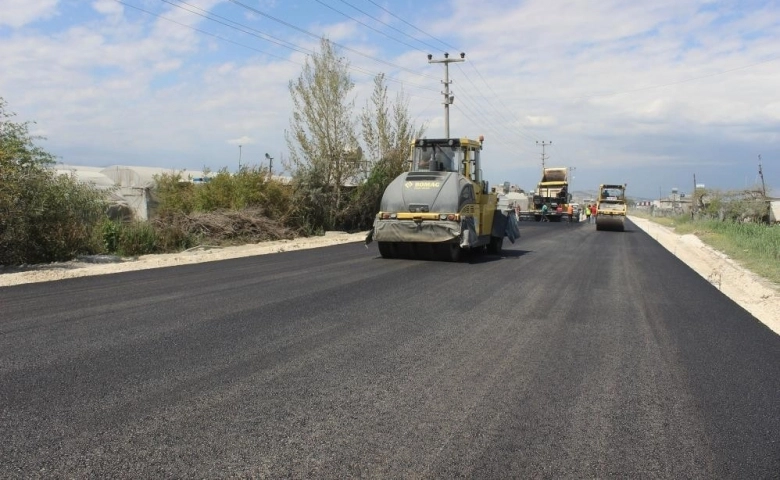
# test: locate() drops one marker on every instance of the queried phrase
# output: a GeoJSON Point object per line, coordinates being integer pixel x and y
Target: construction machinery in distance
{"type": "Point", "coordinates": [552, 191]}
{"type": "Point", "coordinates": [441, 207]}
{"type": "Point", "coordinates": [611, 207]}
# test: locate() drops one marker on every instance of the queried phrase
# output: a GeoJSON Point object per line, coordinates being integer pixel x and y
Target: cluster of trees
{"type": "Point", "coordinates": [732, 205]}
{"type": "Point", "coordinates": [342, 161]}
{"type": "Point", "coordinates": [325, 151]}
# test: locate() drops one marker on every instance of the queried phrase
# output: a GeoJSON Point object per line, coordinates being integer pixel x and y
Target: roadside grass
{"type": "Point", "coordinates": [754, 246]}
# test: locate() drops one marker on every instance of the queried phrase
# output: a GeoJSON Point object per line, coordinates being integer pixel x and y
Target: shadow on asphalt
{"type": "Point", "coordinates": [470, 258]}
{"type": "Point", "coordinates": [487, 257]}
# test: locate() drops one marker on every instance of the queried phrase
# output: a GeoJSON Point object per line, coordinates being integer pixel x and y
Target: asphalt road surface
{"type": "Point", "coordinates": [575, 354]}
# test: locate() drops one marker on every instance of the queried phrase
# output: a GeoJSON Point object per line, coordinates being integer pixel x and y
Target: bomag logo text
{"type": "Point", "coordinates": [422, 185]}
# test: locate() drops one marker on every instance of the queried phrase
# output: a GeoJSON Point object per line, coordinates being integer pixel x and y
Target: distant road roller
{"type": "Point", "coordinates": [441, 207]}
{"type": "Point", "coordinates": [611, 208]}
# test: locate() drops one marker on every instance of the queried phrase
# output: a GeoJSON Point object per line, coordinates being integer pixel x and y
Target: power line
{"type": "Point", "coordinates": [283, 43]}
{"type": "Point", "coordinates": [529, 133]}
{"type": "Point", "coordinates": [260, 35]}
{"type": "Point", "coordinates": [238, 26]}
{"type": "Point", "coordinates": [388, 25]}
{"type": "Point", "coordinates": [366, 25]}
{"type": "Point", "coordinates": [344, 47]}
{"type": "Point", "coordinates": [204, 32]}
{"type": "Point", "coordinates": [513, 132]}
{"type": "Point", "coordinates": [499, 111]}
{"type": "Point", "coordinates": [469, 113]}
{"type": "Point", "coordinates": [474, 111]}
{"type": "Point", "coordinates": [407, 23]}
{"type": "Point", "coordinates": [486, 119]}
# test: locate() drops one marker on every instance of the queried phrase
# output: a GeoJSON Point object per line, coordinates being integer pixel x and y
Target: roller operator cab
{"type": "Point", "coordinates": [442, 206]}
{"type": "Point", "coordinates": [611, 207]}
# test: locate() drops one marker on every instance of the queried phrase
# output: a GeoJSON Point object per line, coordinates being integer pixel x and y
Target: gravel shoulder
{"type": "Point", "coordinates": [756, 295]}
{"type": "Point", "coordinates": [106, 264]}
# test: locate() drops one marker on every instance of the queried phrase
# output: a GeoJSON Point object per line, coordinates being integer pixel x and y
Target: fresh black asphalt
{"type": "Point", "coordinates": [575, 354]}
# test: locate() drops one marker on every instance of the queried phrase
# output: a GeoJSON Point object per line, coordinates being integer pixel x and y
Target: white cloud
{"type": "Point", "coordinates": [17, 13]}
{"type": "Point", "coordinates": [611, 83]}
{"type": "Point", "coordinates": [539, 121]}
{"type": "Point", "coordinates": [241, 141]}
{"type": "Point", "coordinates": [108, 7]}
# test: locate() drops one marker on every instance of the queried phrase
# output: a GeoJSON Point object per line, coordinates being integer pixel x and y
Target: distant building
{"type": "Point", "coordinates": [774, 211]}
{"type": "Point", "coordinates": [129, 188]}
{"type": "Point", "coordinates": [675, 203]}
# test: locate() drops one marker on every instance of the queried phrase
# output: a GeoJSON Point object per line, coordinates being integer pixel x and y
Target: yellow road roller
{"type": "Point", "coordinates": [611, 207]}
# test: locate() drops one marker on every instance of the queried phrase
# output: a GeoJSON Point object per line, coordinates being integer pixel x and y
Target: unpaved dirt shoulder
{"type": "Point", "coordinates": [753, 293]}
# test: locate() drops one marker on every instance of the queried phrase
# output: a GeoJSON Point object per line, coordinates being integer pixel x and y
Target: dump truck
{"type": "Point", "coordinates": [553, 191]}
{"type": "Point", "coordinates": [441, 207]}
{"type": "Point", "coordinates": [611, 207]}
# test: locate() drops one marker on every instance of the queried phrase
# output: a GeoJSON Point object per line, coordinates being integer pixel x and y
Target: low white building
{"type": "Point", "coordinates": [127, 186]}
{"type": "Point", "coordinates": [774, 211]}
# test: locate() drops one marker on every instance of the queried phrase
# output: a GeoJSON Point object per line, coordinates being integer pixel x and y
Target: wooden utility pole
{"type": "Point", "coordinates": [761, 174]}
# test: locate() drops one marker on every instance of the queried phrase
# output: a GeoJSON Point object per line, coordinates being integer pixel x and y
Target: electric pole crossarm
{"type": "Point", "coordinates": [543, 144]}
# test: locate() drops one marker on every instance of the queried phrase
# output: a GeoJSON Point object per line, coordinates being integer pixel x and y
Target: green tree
{"type": "Point", "coordinates": [732, 205]}
{"type": "Point", "coordinates": [387, 131]}
{"type": "Point", "coordinates": [173, 195]}
{"type": "Point", "coordinates": [44, 217]}
{"type": "Point", "coordinates": [17, 147]}
{"type": "Point", "coordinates": [322, 140]}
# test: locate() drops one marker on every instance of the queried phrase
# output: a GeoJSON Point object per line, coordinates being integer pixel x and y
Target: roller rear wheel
{"type": "Point", "coordinates": [385, 249]}
{"type": "Point", "coordinates": [450, 252]}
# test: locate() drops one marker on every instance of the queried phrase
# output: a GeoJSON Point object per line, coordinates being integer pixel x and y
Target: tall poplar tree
{"type": "Point", "coordinates": [387, 132]}
{"type": "Point", "coordinates": [324, 151]}
{"type": "Point", "coordinates": [388, 129]}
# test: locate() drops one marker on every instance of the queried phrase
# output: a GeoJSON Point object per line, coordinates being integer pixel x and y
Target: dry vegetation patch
{"type": "Point", "coordinates": [228, 227]}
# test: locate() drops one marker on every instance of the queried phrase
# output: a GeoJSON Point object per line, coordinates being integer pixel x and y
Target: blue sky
{"type": "Point", "coordinates": [644, 93]}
